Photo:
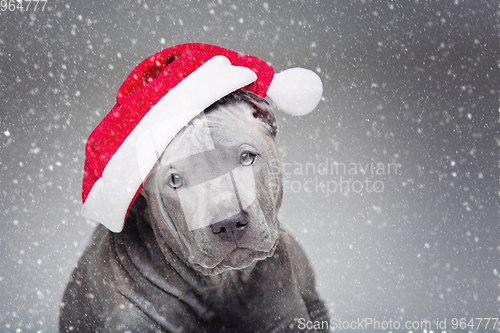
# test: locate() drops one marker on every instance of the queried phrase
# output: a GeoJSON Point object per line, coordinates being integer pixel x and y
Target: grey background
{"type": "Point", "coordinates": [414, 83]}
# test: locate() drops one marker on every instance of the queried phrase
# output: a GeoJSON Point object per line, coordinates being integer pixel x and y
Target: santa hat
{"type": "Point", "coordinates": [161, 96]}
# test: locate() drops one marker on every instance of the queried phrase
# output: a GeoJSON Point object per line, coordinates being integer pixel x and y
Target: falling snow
{"type": "Point", "coordinates": [413, 83]}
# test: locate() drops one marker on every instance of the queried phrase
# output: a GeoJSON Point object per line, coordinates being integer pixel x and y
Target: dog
{"type": "Point", "coordinates": [201, 249]}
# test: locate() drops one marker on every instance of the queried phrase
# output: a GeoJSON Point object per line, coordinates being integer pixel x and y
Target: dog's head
{"type": "Point", "coordinates": [214, 194]}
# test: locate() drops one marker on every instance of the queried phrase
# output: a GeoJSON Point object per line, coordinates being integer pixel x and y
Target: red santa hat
{"type": "Point", "coordinates": [161, 96]}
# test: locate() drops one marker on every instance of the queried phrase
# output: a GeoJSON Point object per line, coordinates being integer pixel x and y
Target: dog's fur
{"type": "Point", "coordinates": [240, 273]}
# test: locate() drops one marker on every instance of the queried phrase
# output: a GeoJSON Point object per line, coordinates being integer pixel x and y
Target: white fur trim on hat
{"type": "Point", "coordinates": [110, 197]}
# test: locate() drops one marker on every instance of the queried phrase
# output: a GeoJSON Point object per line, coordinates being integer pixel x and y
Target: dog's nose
{"type": "Point", "coordinates": [231, 228]}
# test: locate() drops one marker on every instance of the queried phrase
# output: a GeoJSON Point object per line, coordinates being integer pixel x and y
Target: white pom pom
{"type": "Point", "coordinates": [296, 91]}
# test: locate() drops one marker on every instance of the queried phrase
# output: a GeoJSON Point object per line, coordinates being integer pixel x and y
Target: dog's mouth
{"type": "Point", "coordinates": [241, 258]}
{"type": "Point", "coordinates": [238, 258]}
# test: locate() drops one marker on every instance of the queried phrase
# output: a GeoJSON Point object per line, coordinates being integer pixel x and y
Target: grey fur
{"type": "Point", "coordinates": [239, 272]}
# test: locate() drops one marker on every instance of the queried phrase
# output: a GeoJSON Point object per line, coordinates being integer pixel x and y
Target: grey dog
{"type": "Point", "coordinates": [201, 250]}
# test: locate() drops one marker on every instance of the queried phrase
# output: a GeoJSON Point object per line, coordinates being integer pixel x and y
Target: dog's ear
{"type": "Point", "coordinates": [262, 110]}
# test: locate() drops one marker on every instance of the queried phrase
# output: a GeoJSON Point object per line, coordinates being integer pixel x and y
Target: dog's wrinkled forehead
{"type": "Point", "coordinates": [196, 138]}
{"type": "Point", "coordinates": [228, 122]}
{"type": "Point", "coordinates": [257, 108]}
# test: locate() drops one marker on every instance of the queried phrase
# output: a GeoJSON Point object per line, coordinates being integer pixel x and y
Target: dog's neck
{"type": "Point", "coordinates": [138, 246]}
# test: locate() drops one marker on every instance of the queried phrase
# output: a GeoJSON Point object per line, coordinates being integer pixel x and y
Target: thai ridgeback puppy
{"type": "Point", "coordinates": [202, 249]}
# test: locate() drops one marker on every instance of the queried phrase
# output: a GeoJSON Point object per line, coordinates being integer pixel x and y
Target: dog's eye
{"type": "Point", "coordinates": [175, 181]}
{"type": "Point", "coordinates": [247, 158]}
